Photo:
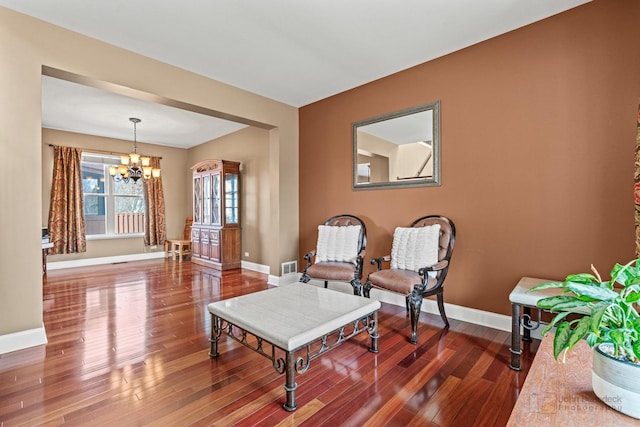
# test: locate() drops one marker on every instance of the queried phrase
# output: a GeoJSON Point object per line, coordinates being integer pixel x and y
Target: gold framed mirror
{"type": "Point", "coordinates": [399, 149]}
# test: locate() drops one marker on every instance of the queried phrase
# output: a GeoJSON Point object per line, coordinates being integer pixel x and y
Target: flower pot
{"type": "Point", "coordinates": [616, 381]}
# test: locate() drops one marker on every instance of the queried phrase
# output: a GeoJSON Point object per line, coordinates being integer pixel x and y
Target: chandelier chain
{"type": "Point", "coordinates": [134, 167]}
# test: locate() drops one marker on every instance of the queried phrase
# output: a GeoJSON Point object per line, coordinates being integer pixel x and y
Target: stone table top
{"type": "Point", "coordinates": [291, 316]}
{"type": "Point", "coordinates": [521, 295]}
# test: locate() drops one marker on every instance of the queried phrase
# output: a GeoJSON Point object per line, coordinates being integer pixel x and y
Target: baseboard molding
{"type": "Point", "coordinates": [466, 314]}
{"type": "Point", "coordinates": [255, 267]}
{"type": "Point", "coordinates": [104, 260]}
{"type": "Point", "coordinates": [23, 339]}
{"type": "Point", "coordinates": [283, 280]}
{"type": "Point", "coordinates": [135, 257]}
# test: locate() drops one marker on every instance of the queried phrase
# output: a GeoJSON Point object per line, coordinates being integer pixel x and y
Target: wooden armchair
{"type": "Point", "coordinates": [339, 253]}
{"type": "Point", "coordinates": [180, 247]}
{"type": "Point", "coordinates": [419, 262]}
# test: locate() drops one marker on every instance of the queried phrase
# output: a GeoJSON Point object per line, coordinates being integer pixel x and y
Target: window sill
{"type": "Point", "coordinates": [114, 236]}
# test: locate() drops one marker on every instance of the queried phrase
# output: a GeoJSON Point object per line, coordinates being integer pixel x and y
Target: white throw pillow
{"type": "Point", "coordinates": [415, 247]}
{"type": "Point", "coordinates": [337, 243]}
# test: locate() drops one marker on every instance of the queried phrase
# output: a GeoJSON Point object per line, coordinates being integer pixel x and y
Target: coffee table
{"type": "Point", "coordinates": [292, 325]}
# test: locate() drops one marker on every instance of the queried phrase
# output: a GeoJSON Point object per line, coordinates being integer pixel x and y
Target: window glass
{"type": "Point", "coordinates": [110, 207]}
{"type": "Point", "coordinates": [231, 201]}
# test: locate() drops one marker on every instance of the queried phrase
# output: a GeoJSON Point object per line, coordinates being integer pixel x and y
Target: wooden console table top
{"type": "Point", "coordinates": [560, 394]}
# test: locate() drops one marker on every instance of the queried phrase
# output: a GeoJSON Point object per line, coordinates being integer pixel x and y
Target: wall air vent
{"type": "Point", "coordinates": [289, 267]}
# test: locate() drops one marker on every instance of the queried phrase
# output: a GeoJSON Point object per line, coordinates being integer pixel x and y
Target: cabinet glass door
{"type": "Point", "coordinates": [197, 201]}
{"type": "Point", "coordinates": [206, 199]}
{"type": "Point", "coordinates": [231, 198]}
{"type": "Point", "coordinates": [216, 198]}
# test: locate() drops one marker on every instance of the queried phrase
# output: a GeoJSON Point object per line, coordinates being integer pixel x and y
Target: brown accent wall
{"type": "Point", "coordinates": [538, 137]}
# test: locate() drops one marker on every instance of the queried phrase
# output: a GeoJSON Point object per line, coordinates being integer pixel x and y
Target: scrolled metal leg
{"type": "Point", "coordinates": [526, 324]}
{"type": "Point", "coordinates": [515, 349]}
{"type": "Point", "coordinates": [290, 384]}
{"type": "Point", "coordinates": [373, 332]}
{"type": "Point", "coordinates": [215, 335]}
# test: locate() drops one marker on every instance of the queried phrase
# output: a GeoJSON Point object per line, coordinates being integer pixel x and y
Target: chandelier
{"type": "Point", "coordinates": [133, 167]}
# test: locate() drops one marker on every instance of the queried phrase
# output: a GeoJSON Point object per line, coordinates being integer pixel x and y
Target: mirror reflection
{"type": "Point", "coordinates": [400, 149]}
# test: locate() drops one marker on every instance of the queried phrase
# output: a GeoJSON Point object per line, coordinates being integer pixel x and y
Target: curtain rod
{"type": "Point", "coordinates": [110, 153]}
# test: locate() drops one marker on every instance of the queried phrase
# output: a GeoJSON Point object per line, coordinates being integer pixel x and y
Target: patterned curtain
{"type": "Point", "coordinates": [636, 187]}
{"type": "Point", "coordinates": [156, 231]}
{"type": "Point", "coordinates": [66, 217]}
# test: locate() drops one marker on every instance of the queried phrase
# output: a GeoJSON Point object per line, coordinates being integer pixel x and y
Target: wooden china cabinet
{"type": "Point", "coordinates": [215, 234]}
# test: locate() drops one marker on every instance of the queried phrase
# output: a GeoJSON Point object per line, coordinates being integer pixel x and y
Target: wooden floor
{"type": "Point", "coordinates": [128, 345]}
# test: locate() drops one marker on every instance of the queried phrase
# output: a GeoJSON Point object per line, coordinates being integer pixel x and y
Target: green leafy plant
{"type": "Point", "coordinates": [608, 311]}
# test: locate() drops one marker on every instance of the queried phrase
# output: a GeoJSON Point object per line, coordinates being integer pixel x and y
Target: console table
{"type": "Point", "coordinates": [560, 394]}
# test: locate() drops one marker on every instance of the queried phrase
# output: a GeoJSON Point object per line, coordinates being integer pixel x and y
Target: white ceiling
{"type": "Point", "coordinates": [293, 51]}
{"type": "Point", "coordinates": [407, 129]}
{"type": "Point", "coordinates": [77, 108]}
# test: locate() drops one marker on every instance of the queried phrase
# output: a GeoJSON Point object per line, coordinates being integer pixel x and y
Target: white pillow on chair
{"type": "Point", "coordinates": [337, 243]}
{"type": "Point", "coordinates": [415, 247]}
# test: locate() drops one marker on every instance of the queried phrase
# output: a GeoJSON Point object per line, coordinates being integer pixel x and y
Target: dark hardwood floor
{"type": "Point", "coordinates": [128, 345]}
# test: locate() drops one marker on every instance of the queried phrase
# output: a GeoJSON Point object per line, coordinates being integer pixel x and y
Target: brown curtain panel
{"type": "Point", "coordinates": [66, 216]}
{"type": "Point", "coordinates": [636, 187]}
{"type": "Point", "coordinates": [156, 230]}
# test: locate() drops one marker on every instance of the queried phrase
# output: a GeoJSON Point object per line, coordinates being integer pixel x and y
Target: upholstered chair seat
{"type": "Point", "coordinates": [339, 254]}
{"type": "Point", "coordinates": [336, 271]}
{"type": "Point", "coordinates": [398, 281]}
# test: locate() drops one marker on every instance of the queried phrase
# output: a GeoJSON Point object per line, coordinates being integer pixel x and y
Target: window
{"type": "Point", "coordinates": [110, 207]}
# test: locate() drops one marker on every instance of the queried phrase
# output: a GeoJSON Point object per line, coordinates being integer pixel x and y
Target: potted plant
{"type": "Point", "coordinates": [609, 321]}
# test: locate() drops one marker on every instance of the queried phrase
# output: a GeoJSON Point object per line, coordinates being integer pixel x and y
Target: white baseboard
{"type": "Point", "coordinates": [23, 339]}
{"type": "Point", "coordinates": [255, 267]}
{"type": "Point", "coordinates": [135, 257]}
{"type": "Point", "coordinates": [104, 260]}
{"type": "Point", "coordinates": [466, 314]}
{"type": "Point", "coordinates": [283, 280]}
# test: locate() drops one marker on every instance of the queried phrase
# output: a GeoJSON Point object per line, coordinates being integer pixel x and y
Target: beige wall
{"type": "Point", "coordinates": [26, 45]}
{"type": "Point", "coordinates": [538, 137]}
{"type": "Point", "coordinates": [382, 168]}
{"type": "Point", "coordinates": [410, 160]}
{"type": "Point", "coordinates": [250, 147]}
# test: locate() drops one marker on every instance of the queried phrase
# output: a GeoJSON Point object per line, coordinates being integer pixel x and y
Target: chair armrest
{"type": "Point", "coordinates": [440, 265]}
{"type": "Point", "coordinates": [379, 261]}
{"type": "Point", "coordinates": [423, 272]}
{"type": "Point", "coordinates": [309, 256]}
